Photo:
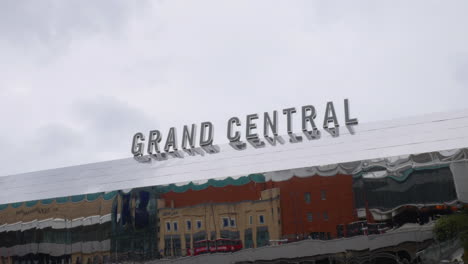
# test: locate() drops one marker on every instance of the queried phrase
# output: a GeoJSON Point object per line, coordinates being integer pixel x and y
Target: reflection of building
{"type": "Point", "coordinates": [73, 229]}
{"type": "Point", "coordinates": [258, 210]}
{"type": "Point", "coordinates": [395, 197]}
{"type": "Point", "coordinates": [310, 206]}
{"type": "Point", "coordinates": [93, 228]}
{"type": "Point", "coordinates": [134, 224]}
{"type": "Point", "coordinates": [253, 222]}
{"type": "Point", "coordinates": [362, 185]}
{"type": "Point", "coordinates": [315, 206]}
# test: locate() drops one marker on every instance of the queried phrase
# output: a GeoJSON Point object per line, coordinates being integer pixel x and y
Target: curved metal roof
{"type": "Point", "coordinates": [371, 143]}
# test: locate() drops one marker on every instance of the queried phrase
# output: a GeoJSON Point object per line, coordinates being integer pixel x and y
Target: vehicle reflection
{"type": "Point", "coordinates": [380, 211]}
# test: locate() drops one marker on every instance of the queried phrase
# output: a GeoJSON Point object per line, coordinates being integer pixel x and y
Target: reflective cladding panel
{"type": "Point", "coordinates": [392, 210]}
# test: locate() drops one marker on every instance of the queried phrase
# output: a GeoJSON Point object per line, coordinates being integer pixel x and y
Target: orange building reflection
{"type": "Point", "coordinates": [310, 207]}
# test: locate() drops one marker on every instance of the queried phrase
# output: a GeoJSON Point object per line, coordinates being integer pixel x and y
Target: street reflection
{"type": "Point", "coordinates": [375, 211]}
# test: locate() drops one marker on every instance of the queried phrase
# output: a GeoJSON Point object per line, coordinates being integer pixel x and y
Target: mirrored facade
{"type": "Point", "coordinates": [370, 211]}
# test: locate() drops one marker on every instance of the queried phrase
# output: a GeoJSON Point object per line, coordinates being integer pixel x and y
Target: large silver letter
{"type": "Point", "coordinates": [189, 137]}
{"type": "Point", "coordinates": [236, 136]}
{"type": "Point", "coordinates": [293, 138]}
{"type": "Point", "coordinates": [268, 125]}
{"type": "Point", "coordinates": [153, 140]}
{"type": "Point", "coordinates": [309, 118]}
{"type": "Point", "coordinates": [252, 138]}
{"type": "Point", "coordinates": [207, 144]}
{"type": "Point", "coordinates": [171, 140]}
{"type": "Point", "coordinates": [234, 140]}
{"type": "Point", "coordinates": [330, 116]}
{"type": "Point", "coordinates": [288, 112]}
{"type": "Point", "coordinates": [349, 121]}
{"type": "Point", "coordinates": [137, 147]}
{"type": "Point", "coordinates": [209, 140]}
{"type": "Point", "coordinates": [249, 126]}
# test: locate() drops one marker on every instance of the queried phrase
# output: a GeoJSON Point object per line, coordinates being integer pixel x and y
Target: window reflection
{"type": "Point", "coordinates": [383, 211]}
{"type": "Point", "coordinates": [307, 197]}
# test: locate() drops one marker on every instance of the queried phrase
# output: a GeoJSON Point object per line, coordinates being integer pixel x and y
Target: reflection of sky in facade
{"type": "Point", "coordinates": [361, 200]}
{"type": "Point", "coordinates": [312, 204]}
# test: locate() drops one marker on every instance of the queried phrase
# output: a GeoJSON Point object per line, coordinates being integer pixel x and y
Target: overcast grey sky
{"type": "Point", "coordinates": [79, 78]}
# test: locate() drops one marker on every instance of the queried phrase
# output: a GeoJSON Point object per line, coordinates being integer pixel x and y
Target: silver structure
{"type": "Point", "coordinates": [372, 195]}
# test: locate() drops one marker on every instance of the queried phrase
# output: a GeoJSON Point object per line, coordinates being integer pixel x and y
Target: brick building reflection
{"type": "Point", "coordinates": [226, 215]}
{"type": "Point", "coordinates": [298, 208]}
{"type": "Point", "coordinates": [213, 226]}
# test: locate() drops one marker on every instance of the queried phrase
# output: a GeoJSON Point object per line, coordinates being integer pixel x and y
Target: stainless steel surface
{"type": "Point", "coordinates": [137, 145]}
{"type": "Point", "coordinates": [189, 137]}
{"type": "Point", "coordinates": [375, 196]}
{"type": "Point", "coordinates": [330, 117]}
{"type": "Point", "coordinates": [374, 140]}
{"type": "Point", "coordinates": [154, 139]}
{"type": "Point", "coordinates": [171, 141]}
{"type": "Point", "coordinates": [349, 121]}
{"type": "Point", "coordinates": [206, 138]}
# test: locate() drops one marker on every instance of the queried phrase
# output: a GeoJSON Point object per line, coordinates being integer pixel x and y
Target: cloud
{"type": "Point", "coordinates": [97, 72]}
{"type": "Point", "coordinates": [110, 123]}
{"type": "Point", "coordinates": [54, 140]}
{"type": "Point", "coordinates": [103, 128]}
{"type": "Point", "coordinates": [52, 145]}
{"type": "Point", "coordinates": [30, 23]}
{"type": "Point", "coordinates": [461, 70]}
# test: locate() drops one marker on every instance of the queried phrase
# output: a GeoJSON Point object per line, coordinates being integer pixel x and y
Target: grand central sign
{"type": "Point", "coordinates": [237, 140]}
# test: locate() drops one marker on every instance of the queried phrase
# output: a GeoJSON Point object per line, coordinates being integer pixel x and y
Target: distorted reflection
{"type": "Point", "coordinates": [373, 211]}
